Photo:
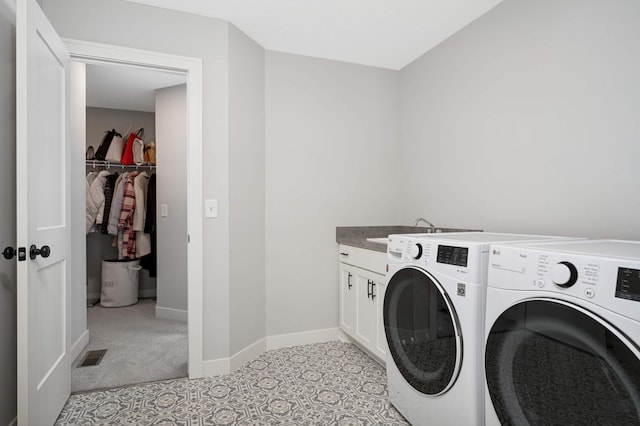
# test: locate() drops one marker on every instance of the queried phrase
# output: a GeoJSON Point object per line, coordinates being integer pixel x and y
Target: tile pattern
{"type": "Point", "coordinates": [331, 383]}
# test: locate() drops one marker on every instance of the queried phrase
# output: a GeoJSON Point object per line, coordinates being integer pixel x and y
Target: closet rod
{"type": "Point", "coordinates": [107, 165]}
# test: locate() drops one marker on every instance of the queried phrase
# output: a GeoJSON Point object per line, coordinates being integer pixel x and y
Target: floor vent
{"type": "Point", "coordinates": [92, 358]}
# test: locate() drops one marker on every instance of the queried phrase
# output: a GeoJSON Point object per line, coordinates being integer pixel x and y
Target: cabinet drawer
{"type": "Point", "coordinates": [370, 260]}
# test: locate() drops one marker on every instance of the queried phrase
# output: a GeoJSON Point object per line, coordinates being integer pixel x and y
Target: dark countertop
{"type": "Point", "coordinates": [356, 236]}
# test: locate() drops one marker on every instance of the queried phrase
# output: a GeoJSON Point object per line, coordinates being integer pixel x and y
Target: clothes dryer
{"type": "Point", "coordinates": [562, 333]}
{"type": "Point", "coordinates": [433, 318]}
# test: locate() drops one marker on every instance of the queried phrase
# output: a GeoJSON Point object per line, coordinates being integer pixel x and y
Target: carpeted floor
{"type": "Point", "coordinates": [140, 347]}
{"type": "Point", "coordinates": [330, 383]}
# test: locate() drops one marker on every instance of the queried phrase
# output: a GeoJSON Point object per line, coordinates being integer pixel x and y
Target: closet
{"type": "Point", "coordinates": [126, 99]}
{"type": "Point", "coordinates": [100, 243]}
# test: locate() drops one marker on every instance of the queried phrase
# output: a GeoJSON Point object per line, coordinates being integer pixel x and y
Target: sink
{"type": "Point", "coordinates": [443, 230]}
{"type": "Point", "coordinates": [383, 240]}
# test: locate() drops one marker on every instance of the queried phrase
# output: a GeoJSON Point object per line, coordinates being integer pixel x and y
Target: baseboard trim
{"type": "Point", "coordinates": [143, 293]}
{"type": "Point", "coordinates": [302, 338]}
{"type": "Point", "coordinates": [344, 337]}
{"type": "Point", "coordinates": [172, 314]}
{"type": "Point", "coordinates": [79, 345]}
{"type": "Point", "coordinates": [146, 293]}
{"type": "Point", "coordinates": [216, 367]}
{"type": "Point", "coordinates": [247, 354]}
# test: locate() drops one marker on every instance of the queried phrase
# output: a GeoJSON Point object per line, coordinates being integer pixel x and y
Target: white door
{"type": "Point", "coordinates": [42, 218]}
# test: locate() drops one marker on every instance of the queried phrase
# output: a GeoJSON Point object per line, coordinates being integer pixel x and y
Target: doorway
{"type": "Point", "coordinates": [87, 55]}
{"type": "Point", "coordinates": [137, 291]}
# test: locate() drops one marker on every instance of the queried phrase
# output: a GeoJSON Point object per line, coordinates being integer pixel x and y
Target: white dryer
{"type": "Point", "coordinates": [562, 334]}
{"type": "Point", "coordinates": [433, 320]}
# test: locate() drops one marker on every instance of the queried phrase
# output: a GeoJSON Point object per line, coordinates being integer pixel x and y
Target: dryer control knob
{"type": "Point", "coordinates": [415, 251]}
{"type": "Point", "coordinates": [564, 274]}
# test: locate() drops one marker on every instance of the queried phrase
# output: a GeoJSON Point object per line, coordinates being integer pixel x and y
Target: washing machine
{"type": "Point", "coordinates": [562, 333]}
{"type": "Point", "coordinates": [433, 320]}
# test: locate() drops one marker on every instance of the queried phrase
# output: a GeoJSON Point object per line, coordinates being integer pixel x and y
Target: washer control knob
{"type": "Point", "coordinates": [564, 274]}
{"type": "Point", "coordinates": [415, 251]}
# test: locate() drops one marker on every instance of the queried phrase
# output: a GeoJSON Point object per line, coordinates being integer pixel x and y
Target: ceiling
{"type": "Point", "coordinates": [381, 33]}
{"type": "Point", "coordinates": [128, 88]}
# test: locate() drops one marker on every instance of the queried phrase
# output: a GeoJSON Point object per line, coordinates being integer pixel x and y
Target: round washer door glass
{"type": "Point", "coordinates": [422, 331]}
{"type": "Point", "coordinates": [550, 362]}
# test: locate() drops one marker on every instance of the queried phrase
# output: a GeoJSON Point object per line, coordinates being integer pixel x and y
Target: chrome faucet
{"type": "Point", "coordinates": [431, 225]}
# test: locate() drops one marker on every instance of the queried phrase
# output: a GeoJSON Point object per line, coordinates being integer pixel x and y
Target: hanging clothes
{"type": "Point", "coordinates": [97, 190]}
{"type": "Point", "coordinates": [116, 204]}
{"type": "Point", "coordinates": [149, 262]}
{"type": "Point", "coordinates": [109, 188]}
{"type": "Point", "coordinates": [88, 203]}
{"type": "Point", "coordinates": [95, 199]}
{"type": "Point", "coordinates": [143, 240]}
{"type": "Point", "coordinates": [125, 222]}
{"type": "Point", "coordinates": [90, 177]}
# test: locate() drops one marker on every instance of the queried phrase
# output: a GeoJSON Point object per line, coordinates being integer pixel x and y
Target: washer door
{"type": "Point", "coordinates": [422, 331]}
{"type": "Point", "coordinates": [551, 362]}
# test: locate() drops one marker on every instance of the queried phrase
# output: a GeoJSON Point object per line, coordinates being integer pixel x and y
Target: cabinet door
{"type": "Point", "coordinates": [367, 315]}
{"type": "Point", "coordinates": [381, 340]}
{"type": "Point", "coordinates": [347, 299]}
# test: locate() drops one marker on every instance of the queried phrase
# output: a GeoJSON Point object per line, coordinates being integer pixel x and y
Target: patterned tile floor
{"type": "Point", "coordinates": [330, 383]}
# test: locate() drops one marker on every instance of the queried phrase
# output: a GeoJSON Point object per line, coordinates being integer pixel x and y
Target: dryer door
{"type": "Point", "coordinates": [551, 362]}
{"type": "Point", "coordinates": [422, 331]}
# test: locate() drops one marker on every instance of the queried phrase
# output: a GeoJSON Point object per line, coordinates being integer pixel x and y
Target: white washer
{"type": "Point", "coordinates": [562, 333]}
{"type": "Point", "coordinates": [433, 319]}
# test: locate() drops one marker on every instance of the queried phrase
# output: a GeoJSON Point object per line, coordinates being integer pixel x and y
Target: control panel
{"type": "Point", "coordinates": [403, 247]}
{"type": "Point", "coordinates": [611, 283]}
{"type": "Point", "coordinates": [457, 260]}
{"type": "Point", "coordinates": [452, 255]}
{"type": "Point", "coordinates": [628, 284]}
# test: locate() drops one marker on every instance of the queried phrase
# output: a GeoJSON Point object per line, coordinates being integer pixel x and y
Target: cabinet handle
{"type": "Point", "coordinates": [349, 281]}
{"type": "Point", "coordinates": [369, 292]}
{"type": "Point", "coordinates": [373, 287]}
{"type": "Point", "coordinates": [344, 254]}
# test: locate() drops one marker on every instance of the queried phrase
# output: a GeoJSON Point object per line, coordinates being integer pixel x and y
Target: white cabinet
{"type": "Point", "coordinates": [381, 337]}
{"type": "Point", "coordinates": [362, 284]}
{"type": "Point", "coordinates": [369, 310]}
{"type": "Point", "coordinates": [347, 299]}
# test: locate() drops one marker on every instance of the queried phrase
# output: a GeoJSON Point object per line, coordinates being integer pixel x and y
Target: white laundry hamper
{"type": "Point", "coordinates": [119, 282]}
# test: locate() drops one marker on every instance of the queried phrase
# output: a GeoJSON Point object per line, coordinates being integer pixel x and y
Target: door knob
{"type": "Point", "coordinates": [9, 253]}
{"type": "Point", "coordinates": [34, 251]}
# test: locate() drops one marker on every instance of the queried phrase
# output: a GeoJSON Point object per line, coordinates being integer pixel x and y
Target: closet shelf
{"type": "Point", "coordinates": [107, 165]}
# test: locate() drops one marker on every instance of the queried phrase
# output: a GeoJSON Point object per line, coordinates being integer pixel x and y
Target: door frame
{"type": "Point", "coordinates": [102, 54]}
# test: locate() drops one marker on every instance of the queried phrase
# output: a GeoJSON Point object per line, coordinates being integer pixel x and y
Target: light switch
{"type": "Point", "coordinates": [210, 208]}
{"type": "Point", "coordinates": [164, 210]}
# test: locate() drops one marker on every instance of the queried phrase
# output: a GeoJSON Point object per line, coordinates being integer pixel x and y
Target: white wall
{"type": "Point", "coordinates": [171, 155]}
{"type": "Point", "coordinates": [7, 219]}
{"type": "Point", "coordinates": [331, 152]}
{"type": "Point", "coordinates": [527, 121]}
{"type": "Point", "coordinates": [522, 122]}
{"type": "Point", "coordinates": [100, 246]}
{"type": "Point", "coordinates": [77, 216]}
{"type": "Point", "coordinates": [161, 30]}
{"type": "Point", "coordinates": [246, 190]}
{"type": "Point", "coordinates": [100, 120]}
